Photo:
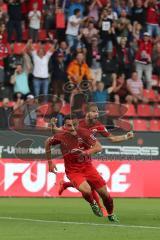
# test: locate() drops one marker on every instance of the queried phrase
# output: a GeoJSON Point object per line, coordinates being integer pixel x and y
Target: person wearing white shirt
{"type": "Point", "coordinates": [34, 22]}
{"type": "Point", "coordinates": [40, 70]}
{"type": "Point", "coordinates": [73, 26]}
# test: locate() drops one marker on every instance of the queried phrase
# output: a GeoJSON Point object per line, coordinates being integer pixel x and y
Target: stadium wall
{"type": "Point", "coordinates": [130, 169]}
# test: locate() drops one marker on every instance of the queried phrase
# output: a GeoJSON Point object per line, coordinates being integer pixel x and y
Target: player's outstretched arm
{"type": "Point", "coordinates": [51, 165]}
{"type": "Point", "coordinates": [121, 138]}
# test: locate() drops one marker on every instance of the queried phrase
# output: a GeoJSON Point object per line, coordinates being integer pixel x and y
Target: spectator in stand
{"type": "Point", "coordinates": [30, 112]}
{"type": "Point", "coordinates": [100, 95]}
{"type": "Point", "coordinates": [143, 59]}
{"type": "Point", "coordinates": [109, 67]}
{"type": "Point", "coordinates": [138, 13]}
{"type": "Point", "coordinates": [89, 32]}
{"type": "Point", "coordinates": [3, 54]}
{"type": "Point", "coordinates": [93, 9]}
{"type": "Point", "coordinates": [49, 9]}
{"type": "Point", "coordinates": [137, 31]}
{"type": "Point", "coordinates": [93, 58]}
{"type": "Point", "coordinates": [24, 10]}
{"type": "Point", "coordinates": [5, 113]}
{"type": "Point", "coordinates": [56, 113]}
{"type": "Point", "coordinates": [106, 29]}
{"type": "Point", "coordinates": [111, 13]}
{"type": "Point", "coordinates": [135, 89]}
{"type": "Point", "coordinates": [11, 62]}
{"type": "Point", "coordinates": [20, 80]}
{"type": "Point", "coordinates": [125, 56]}
{"type": "Point", "coordinates": [123, 25]}
{"type": "Point", "coordinates": [34, 22]}
{"type": "Point", "coordinates": [78, 70]}
{"type": "Point", "coordinates": [156, 60]}
{"type": "Point", "coordinates": [120, 89]}
{"type": "Point", "coordinates": [76, 4]}
{"type": "Point", "coordinates": [3, 12]}
{"type": "Point", "coordinates": [73, 26]}
{"type": "Point", "coordinates": [40, 4]}
{"type": "Point", "coordinates": [152, 17]}
{"type": "Point", "coordinates": [3, 7]}
{"type": "Point", "coordinates": [65, 50]}
{"type": "Point", "coordinates": [14, 23]}
{"type": "Point", "coordinates": [3, 32]}
{"type": "Point", "coordinates": [122, 5]}
{"type": "Point", "coordinates": [40, 68]}
{"type": "Point", "coordinates": [18, 111]}
{"type": "Point", "coordinates": [58, 74]}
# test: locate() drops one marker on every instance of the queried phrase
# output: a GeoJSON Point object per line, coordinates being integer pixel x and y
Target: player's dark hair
{"type": "Point", "coordinates": [89, 106]}
{"type": "Point", "coordinates": [77, 10]}
{"type": "Point", "coordinates": [70, 117]}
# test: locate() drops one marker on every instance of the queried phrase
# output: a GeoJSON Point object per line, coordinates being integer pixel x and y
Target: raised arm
{"type": "Point", "coordinates": [50, 141]}
{"type": "Point", "coordinates": [121, 138]}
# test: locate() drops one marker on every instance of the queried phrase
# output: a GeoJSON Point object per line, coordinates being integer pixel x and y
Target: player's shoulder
{"type": "Point", "coordinates": [85, 133]}
{"type": "Point", "coordinates": [59, 135]}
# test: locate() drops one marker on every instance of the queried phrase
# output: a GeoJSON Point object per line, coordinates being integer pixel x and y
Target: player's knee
{"type": "Point", "coordinates": [86, 190]}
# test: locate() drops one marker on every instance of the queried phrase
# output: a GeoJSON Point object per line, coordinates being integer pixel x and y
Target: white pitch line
{"type": "Point", "coordinates": [80, 223]}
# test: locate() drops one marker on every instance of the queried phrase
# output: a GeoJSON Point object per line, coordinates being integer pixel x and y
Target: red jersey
{"type": "Point", "coordinates": [69, 143]}
{"type": "Point", "coordinates": [95, 128]}
{"type": "Point", "coordinates": [3, 54]}
{"type": "Point", "coordinates": [152, 16]}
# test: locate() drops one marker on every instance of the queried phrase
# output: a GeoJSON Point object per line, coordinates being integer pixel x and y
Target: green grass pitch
{"type": "Point", "coordinates": [68, 219]}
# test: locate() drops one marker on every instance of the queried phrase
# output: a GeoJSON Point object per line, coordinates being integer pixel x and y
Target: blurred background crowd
{"type": "Point", "coordinates": [70, 52]}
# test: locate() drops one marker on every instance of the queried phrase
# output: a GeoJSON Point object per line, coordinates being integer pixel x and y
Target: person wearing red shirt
{"type": "Point", "coordinates": [152, 17]}
{"type": "Point", "coordinates": [77, 146]}
{"type": "Point", "coordinates": [143, 59]}
{"type": "Point", "coordinates": [3, 54]}
{"type": "Point", "coordinates": [92, 124]}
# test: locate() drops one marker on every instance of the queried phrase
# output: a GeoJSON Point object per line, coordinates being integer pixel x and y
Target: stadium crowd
{"type": "Point", "coordinates": [77, 51]}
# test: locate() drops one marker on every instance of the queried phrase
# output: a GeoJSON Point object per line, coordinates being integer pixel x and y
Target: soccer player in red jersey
{"type": "Point", "coordinates": [77, 145]}
{"type": "Point", "coordinates": [91, 123]}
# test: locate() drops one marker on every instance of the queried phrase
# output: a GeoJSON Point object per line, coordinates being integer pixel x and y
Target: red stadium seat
{"type": "Point", "coordinates": [10, 104]}
{"type": "Point", "coordinates": [66, 109]}
{"type": "Point", "coordinates": [36, 46]}
{"type": "Point", "coordinates": [41, 123]}
{"type": "Point", "coordinates": [113, 109]}
{"type": "Point", "coordinates": [154, 125]}
{"type": "Point", "coordinates": [150, 94]}
{"type": "Point", "coordinates": [25, 35]}
{"type": "Point", "coordinates": [156, 110]}
{"type": "Point", "coordinates": [19, 48]}
{"type": "Point", "coordinates": [140, 125]}
{"type": "Point", "coordinates": [144, 110]}
{"type": "Point", "coordinates": [42, 34]}
{"type": "Point", "coordinates": [155, 81]}
{"type": "Point", "coordinates": [42, 109]}
{"type": "Point", "coordinates": [131, 111]}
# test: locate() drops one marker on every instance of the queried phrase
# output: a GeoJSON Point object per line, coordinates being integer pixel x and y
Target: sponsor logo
{"type": "Point", "coordinates": [129, 150]}
{"type": "Point", "coordinates": [34, 178]}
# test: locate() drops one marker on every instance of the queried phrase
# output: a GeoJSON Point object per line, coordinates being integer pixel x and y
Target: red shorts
{"type": "Point", "coordinates": [86, 173]}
